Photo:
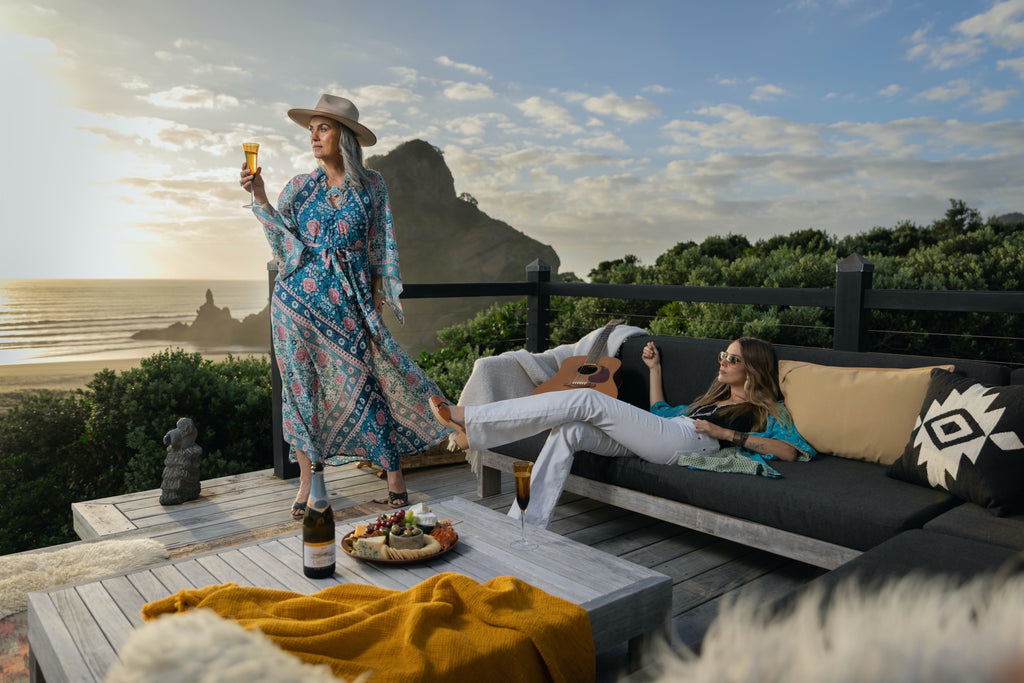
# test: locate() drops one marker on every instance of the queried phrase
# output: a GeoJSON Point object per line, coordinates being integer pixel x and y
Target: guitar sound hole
{"type": "Point", "coordinates": [587, 369]}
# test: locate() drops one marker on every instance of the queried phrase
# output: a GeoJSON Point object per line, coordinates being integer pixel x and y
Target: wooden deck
{"type": "Point", "coordinates": [238, 509]}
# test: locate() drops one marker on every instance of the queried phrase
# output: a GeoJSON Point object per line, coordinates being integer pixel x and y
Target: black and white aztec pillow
{"type": "Point", "coordinates": [968, 440]}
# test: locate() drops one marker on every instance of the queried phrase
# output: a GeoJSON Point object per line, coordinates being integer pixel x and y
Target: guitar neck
{"type": "Point", "coordinates": [602, 339]}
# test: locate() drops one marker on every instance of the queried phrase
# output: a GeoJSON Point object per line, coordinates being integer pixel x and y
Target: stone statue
{"type": "Point", "coordinates": [181, 467]}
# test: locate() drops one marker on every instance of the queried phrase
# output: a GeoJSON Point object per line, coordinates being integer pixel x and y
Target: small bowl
{"type": "Point", "coordinates": [414, 542]}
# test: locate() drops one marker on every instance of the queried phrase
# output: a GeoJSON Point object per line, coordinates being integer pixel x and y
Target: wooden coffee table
{"type": "Point", "coordinates": [76, 631]}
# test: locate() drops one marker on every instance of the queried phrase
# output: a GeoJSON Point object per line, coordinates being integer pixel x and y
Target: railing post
{"type": "Point", "coordinates": [538, 307]}
{"type": "Point", "coordinates": [283, 468]}
{"type": "Point", "coordinates": [853, 278]}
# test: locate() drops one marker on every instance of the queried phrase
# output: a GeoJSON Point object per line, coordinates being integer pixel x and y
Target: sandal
{"type": "Point", "coordinates": [395, 500]}
{"type": "Point", "coordinates": [298, 510]}
{"type": "Point", "coordinates": [440, 408]}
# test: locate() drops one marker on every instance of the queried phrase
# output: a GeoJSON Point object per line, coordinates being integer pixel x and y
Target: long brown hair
{"type": "Point", "coordinates": [761, 386]}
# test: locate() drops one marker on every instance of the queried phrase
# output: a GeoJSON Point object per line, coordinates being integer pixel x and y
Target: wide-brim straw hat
{"type": "Point", "coordinates": [340, 110]}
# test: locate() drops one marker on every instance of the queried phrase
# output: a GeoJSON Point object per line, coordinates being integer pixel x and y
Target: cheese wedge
{"type": "Point", "coordinates": [372, 547]}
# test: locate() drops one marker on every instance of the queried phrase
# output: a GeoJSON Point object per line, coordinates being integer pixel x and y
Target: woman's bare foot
{"type": "Point", "coordinates": [443, 413]}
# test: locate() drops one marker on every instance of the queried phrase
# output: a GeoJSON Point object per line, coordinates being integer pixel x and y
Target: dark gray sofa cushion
{"type": "Point", "coordinates": [975, 522]}
{"type": "Point", "coordinates": [927, 553]}
{"type": "Point", "coordinates": [912, 553]}
{"type": "Point", "coordinates": [846, 502]}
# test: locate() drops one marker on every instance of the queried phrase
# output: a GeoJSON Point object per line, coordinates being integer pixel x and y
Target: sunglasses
{"type": "Point", "coordinates": [731, 358]}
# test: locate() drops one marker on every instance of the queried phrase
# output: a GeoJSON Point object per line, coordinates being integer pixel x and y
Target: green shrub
{"type": "Point", "coordinates": [60, 448]}
{"type": "Point", "coordinates": [46, 466]}
{"type": "Point", "coordinates": [229, 402]}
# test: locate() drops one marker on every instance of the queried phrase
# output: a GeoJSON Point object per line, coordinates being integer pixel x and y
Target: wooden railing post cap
{"type": "Point", "coordinates": [538, 265]}
{"type": "Point", "coordinates": [854, 263]}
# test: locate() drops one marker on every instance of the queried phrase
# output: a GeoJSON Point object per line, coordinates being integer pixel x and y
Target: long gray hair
{"type": "Point", "coordinates": [351, 157]}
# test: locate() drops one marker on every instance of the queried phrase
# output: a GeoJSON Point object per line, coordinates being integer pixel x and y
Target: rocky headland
{"type": "Point", "coordinates": [215, 327]}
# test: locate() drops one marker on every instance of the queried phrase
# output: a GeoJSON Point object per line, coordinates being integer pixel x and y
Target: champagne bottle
{"type": "Point", "coordinates": [318, 529]}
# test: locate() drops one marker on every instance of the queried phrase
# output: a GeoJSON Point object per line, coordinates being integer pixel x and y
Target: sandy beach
{"type": "Point", "coordinates": [17, 378]}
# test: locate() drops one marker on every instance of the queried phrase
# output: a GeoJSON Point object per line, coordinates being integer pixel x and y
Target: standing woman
{"type": "Point", "coordinates": [350, 393]}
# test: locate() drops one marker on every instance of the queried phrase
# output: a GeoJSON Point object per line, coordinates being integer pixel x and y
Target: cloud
{"type": "Point", "coordinates": [473, 126]}
{"type": "Point", "coordinates": [606, 141]}
{"type": "Point", "coordinates": [1000, 25]}
{"type": "Point", "coordinates": [136, 83]}
{"type": "Point", "coordinates": [733, 131]}
{"type": "Point", "coordinates": [1016, 64]}
{"type": "Point", "coordinates": [722, 80]}
{"type": "Point", "coordinates": [734, 128]}
{"type": "Point", "coordinates": [889, 91]}
{"type": "Point", "coordinates": [127, 132]}
{"type": "Point", "coordinates": [943, 53]}
{"type": "Point", "coordinates": [994, 100]}
{"type": "Point", "coordinates": [378, 95]}
{"type": "Point", "coordinates": [953, 90]}
{"type": "Point", "coordinates": [554, 117]}
{"type": "Point", "coordinates": [468, 68]}
{"type": "Point", "coordinates": [468, 91]}
{"type": "Point", "coordinates": [185, 97]}
{"type": "Point", "coordinates": [767, 93]}
{"type": "Point", "coordinates": [656, 89]}
{"type": "Point", "coordinates": [404, 74]}
{"type": "Point", "coordinates": [182, 43]}
{"type": "Point", "coordinates": [630, 111]}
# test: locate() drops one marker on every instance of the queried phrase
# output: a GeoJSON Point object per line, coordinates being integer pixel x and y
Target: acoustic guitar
{"type": "Point", "coordinates": [592, 371]}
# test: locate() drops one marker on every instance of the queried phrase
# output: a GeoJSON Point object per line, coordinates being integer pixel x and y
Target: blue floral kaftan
{"type": "Point", "coordinates": [349, 390]}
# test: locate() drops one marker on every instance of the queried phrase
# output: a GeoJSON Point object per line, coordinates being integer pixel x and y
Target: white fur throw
{"type": "Point", "coordinates": [912, 629]}
{"type": "Point", "coordinates": [38, 570]}
{"type": "Point", "coordinates": [201, 647]}
{"type": "Point", "coordinates": [518, 373]}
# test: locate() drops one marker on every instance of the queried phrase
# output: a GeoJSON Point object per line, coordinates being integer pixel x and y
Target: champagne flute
{"type": "Point", "coordinates": [251, 149]}
{"type": "Point", "coordinates": [522, 469]}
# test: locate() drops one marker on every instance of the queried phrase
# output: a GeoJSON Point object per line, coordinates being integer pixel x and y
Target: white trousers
{"type": "Point", "coordinates": [579, 420]}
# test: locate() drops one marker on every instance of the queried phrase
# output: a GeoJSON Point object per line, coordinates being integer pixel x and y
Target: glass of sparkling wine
{"type": "Point", "coordinates": [250, 149]}
{"type": "Point", "coordinates": [522, 469]}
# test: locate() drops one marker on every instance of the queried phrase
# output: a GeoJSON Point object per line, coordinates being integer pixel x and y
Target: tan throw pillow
{"type": "Point", "coordinates": [858, 413]}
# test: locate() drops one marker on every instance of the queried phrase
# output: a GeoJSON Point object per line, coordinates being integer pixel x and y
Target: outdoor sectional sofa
{"type": "Point", "coordinates": [842, 508]}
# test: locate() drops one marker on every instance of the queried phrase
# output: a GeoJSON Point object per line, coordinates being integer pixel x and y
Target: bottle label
{"type": "Point", "coordinates": [318, 555]}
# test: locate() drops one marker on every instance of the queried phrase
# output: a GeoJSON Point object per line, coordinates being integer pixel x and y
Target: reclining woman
{"type": "Point", "coordinates": [741, 408]}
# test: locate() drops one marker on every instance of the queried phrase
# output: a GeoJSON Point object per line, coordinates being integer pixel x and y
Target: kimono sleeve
{"type": "Point", "coordinates": [784, 430]}
{"type": "Point", "coordinates": [281, 228]}
{"type": "Point", "coordinates": [382, 248]}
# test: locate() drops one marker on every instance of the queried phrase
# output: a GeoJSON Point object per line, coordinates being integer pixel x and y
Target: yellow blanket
{"type": "Point", "coordinates": [447, 628]}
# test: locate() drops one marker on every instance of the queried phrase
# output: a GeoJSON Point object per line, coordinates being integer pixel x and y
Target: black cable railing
{"type": "Point", "coordinates": [852, 301]}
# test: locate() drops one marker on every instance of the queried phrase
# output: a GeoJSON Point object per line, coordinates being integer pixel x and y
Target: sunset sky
{"type": "Point", "coordinates": [601, 128]}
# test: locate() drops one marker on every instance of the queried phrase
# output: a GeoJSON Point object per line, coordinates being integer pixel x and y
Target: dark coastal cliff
{"type": "Point", "coordinates": [441, 238]}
